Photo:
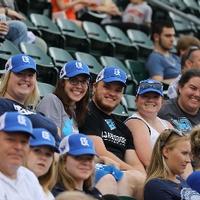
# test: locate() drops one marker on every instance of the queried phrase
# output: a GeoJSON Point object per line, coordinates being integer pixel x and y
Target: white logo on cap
{"type": "Point", "coordinates": [26, 59]}
{"type": "Point", "coordinates": [21, 119]}
{"type": "Point", "coordinates": [46, 135]}
{"type": "Point", "coordinates": [84, 141]}
{"type": "Point", "coordinates": [79, 65]}
{"type": "Point", "coordinates": [117, 72]}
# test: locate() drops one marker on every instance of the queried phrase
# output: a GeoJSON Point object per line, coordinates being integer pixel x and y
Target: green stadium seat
{"type": "Point", "coordinates": [7, 49]}
{"type": "Point", "coordinates": [47, 72]}
{"type": "Point", "coordinates": [75, 37]}
{"type": "Point", "coordinates": [141, 39]}
{"type": "Point", "coordinates": [124, 48]}
{"type": "Point", "coordinates": [50, 32]}
{"type": "Point", "coordinates": [137, 67]}
{"type": "Point", "coordinates": [59, 56]}
{"type": "Point", "coordinates": [100, 42]}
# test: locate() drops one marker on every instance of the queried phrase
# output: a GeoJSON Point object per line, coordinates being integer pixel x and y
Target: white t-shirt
{"type": "Point", "coordinates": [24, 187]}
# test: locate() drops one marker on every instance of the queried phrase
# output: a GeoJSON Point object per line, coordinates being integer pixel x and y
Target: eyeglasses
{"type": "Point", "coordinates": [190, 50]}
{"type": "Point", "coordinates": [76, 81]}
{"type": "Point", "coordinates": [171, 132]}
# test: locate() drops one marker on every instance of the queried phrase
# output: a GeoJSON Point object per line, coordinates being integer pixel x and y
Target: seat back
{"type": "Point", "coordinates": [59, 56]}
{"type": "Point", "coordinates": [46, 70]}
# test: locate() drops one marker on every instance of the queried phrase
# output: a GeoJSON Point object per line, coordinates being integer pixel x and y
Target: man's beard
{"type": "Point", "coordinates": [103, 107]}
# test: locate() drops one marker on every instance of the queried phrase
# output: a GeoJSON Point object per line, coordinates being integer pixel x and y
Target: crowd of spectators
{"type": "Point", "coordinates": [70, 144]}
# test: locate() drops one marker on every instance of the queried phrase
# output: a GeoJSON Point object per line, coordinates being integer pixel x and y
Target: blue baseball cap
{"type": "Point", "coordinates": [150, 85]}
{"type": "Point", "coordinates": [77, 144]}
{"type": "Point", "coordinates": [193, 181]}
{"type": "Point", "coordinates": [112, 74]}
{"type": "Point", "coordinates": [74, 68]}
{"type": "Point", "coordinates": [20, 62]}
{"type": "Point", "coordinates": [15, 122]}
{"type": "Point", "coordinates": [42, 137]}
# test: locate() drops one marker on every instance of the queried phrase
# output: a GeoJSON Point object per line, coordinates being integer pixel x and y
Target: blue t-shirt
{"type": "Point", "coordinates": [165, 66]}
{"type": "Point", "coordinates": [160, 189]}
{"type": "Point", "coordinates": [38, 120]}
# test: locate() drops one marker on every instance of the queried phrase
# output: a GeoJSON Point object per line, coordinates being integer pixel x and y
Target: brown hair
{"type": "Point", "coordinates": [81, 106]}
{"type": "Point", "coordinates": [65, 179]}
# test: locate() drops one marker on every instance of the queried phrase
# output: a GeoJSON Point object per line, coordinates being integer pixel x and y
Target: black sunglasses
{"type": "Point", "coordinates": [190, 50]}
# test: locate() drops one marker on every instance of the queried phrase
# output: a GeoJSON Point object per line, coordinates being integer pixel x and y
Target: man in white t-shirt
{"type": "Point", "coordinates": [16, 182]}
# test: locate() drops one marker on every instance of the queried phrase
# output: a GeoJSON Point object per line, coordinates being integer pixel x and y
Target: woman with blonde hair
{"type": "Point", "coordinates": [19, 91]}
{"type": "Point", "coordinates": [41, 160]}
{"type": "Point", "coordinates": [76, 165]}
{"type": "Point", "coordinates": [171, 155]}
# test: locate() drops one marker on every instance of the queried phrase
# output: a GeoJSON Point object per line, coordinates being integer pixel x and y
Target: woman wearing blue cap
{"type": "Point", "coordinates": [76, 165]}
{"type": "Point", "coordinates": [144, 124]}
{"type": "Point", "coordinates": [19, 90]}
{"type": "Point", "coordinates": [41, 161]}
{"type": "Point", "coordinates": [68, 104]}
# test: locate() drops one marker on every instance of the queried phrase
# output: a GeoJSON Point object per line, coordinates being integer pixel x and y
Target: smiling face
{"type": "Point", "coordinates": [76, 88]}
{"type": "Point", "coordinates": [13, 149]}
{"type": "Point", "coordinates": [39, 160]}
{"type": "Point", "coordinates": [149, 103]}
{"type": "Point", "coordinates": [21, 85]}
{"type": "Point", "coordinates": [107, 95]}
{"type": "Point", "coordinates": [178, 157]}
{"type": "Point", "coordinates": [80, 167]}
{"type": "Point", "coordinates": [189, 97]}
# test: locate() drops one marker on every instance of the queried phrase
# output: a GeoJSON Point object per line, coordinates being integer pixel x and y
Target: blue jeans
{"type": "Point", "coordinates": [17, 32]}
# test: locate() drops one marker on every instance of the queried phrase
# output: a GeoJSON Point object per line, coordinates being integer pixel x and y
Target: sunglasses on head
{"type": "Point", "coordinates": [171, 132]}
{"type": "Point", "coordinates": [145, 85]}
{"type": "Point", "coordinates": [190, 50]}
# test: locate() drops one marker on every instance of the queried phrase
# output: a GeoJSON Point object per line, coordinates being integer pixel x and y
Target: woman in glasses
{"type": "Point", "coordinates": [68, 104]}
{"type": "Point", "coordinates": [194, 179]}
{"type": "Point", "coordinates": [183, 112]}
{"type": "Point", "coordinates": [171, 155]}
{"type": "Point", "coordinates": [144, 124]}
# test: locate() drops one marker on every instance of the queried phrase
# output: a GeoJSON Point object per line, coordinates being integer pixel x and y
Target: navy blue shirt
{"type": "Point", "coordinates": [162, 189]}
{"type": "Point", "coordinates": [38, 120]}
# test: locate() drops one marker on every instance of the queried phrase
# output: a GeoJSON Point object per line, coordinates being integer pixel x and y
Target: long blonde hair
{"type": "Point", "coordinates": [158, 167]}
{"type": "Point", "coordinates": [65, 179]}
{"type": "Point", "coordinates": [48, 180]}
{"type": "Point", "coordinates": [31, 100]}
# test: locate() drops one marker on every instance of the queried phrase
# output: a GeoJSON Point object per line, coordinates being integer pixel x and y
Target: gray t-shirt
{"type": "Point", "coordinates": [138, 14]}
{"type": "Point", "coordinates": [52, 107]}
{"type": "Point", "coordinates": [181, 120]}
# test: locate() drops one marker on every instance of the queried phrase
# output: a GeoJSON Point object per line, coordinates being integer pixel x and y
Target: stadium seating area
{"type": "Point", "coordinates": [95, 44]}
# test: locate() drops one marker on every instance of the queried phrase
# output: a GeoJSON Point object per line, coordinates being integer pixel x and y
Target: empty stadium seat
{"type": "Point", "coordinates": [124, 48]}
{"type": "Point", "coordinates": [59, 56]}
{"type": "Point", "coordinates": [45, 88]}
{"type": "Point", "coordinates": [137, 67]}
{"type": "Point", "coordinates": [7, 49]}
{"type": "Point", "coordinates": [46, 70]}
{"type": "Point", "coordinates": [100, 42]}
{"type": "Point", "coordinates": [75, 37]}
{"type": "Point", "coordinates": [141, 39]}
{"type": "Point", "coordinates": [50, 32]}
